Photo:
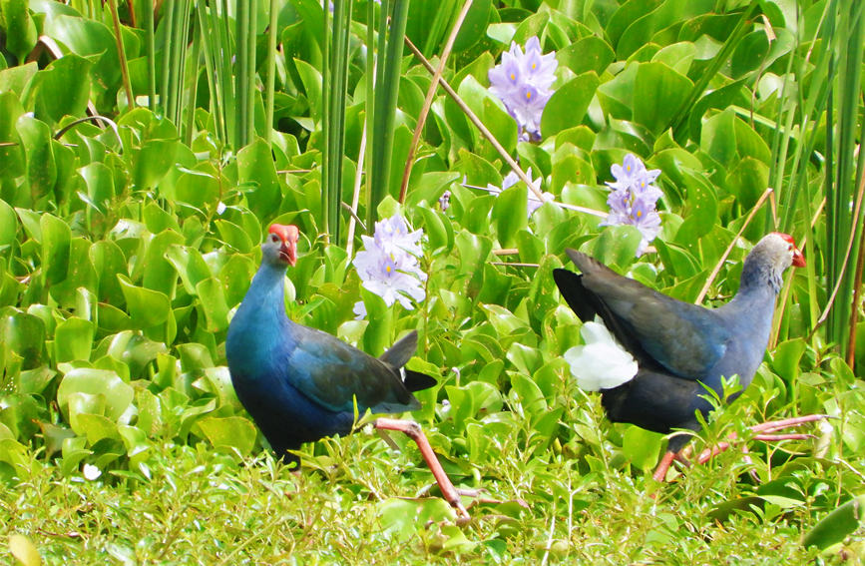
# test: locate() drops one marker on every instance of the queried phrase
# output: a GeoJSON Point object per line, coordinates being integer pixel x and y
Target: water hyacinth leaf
{"type": "Point", "coordinates": [838, 524]}
{"type": "Point", "coordinates": [650, 18]}
{"type": "Point", "coordinates": [189, 264]}
{"type": "Point", "coordinates": [24, 335]}
{"type": "Point", "coordinates": [19, 28]}
{"type": "Point", "coordinates": [11, 153]}
{"type": "Point", "coordinates": [718, 138]}
{"type": "Point", "coordinates": [61, 89]}
{"type": "Point", "coordinates": [590, 53]}
{"type": "Point", "coordinates": [655, 82]}
{"type": "Point", "coordinates": [105, 387]}
{"type": "Point", "coordinates": [567, 107]}
{"type": "Point", "coordinates": [750, 143]}
{"type": "Point", "coordinates": [34, 381]}
{"type": "Point", "coordinates": [528, 393]}
{"type": "Point", "coordinates": [35, 138]}
{"type": "Point", "coordinates": [153, 161]}
{"type": "Point", "coordinates": [158, 220]}
{"type": "Point", "coordinates": [748, 181]}
{"type": "Point", "coordinates": [109, 262]}
{"type": "Point", "coordinates": [135, 440]}
{"type": "Point", "coordinates": [146, 307]}
{"type": "Point", "coordinates": [641, 447]}
{"type": "Point", "coordinates": [99, 179]}
{"type": "Point", "coordinates": [677, 56]}
{"type": "Point", "coordinates": [220, 384]}
{"type": "Point", "coordinates": [213, 302]}
{"type": "Point", "coordinates": [158, 273]}
{"type": "Point", "coordinates": [233, 432]}
{"type": "Point", "coordinates": [617, 246]}
{"type": "Point", "coordinates": [198, 187]}
{"type": "Point", "coordinates": [234, 236]}
{"type": "Point", "coordinates": [509, 214]}
{"type": "Point", "coordinates": [403, 518]}
{"type": "Point", "coordinates": [80, 278]}
{"type": "Point", "coordinates": [22, 415]}
{"type": "Point", "coordinates": [256, 169]}
{"type": "Point", "coordinates": [439, 233]}
{"type": "Point", "coordinates": [474, 25]}
{"type": "Point", "coordinates": [95, 427]}
{"type": "Point", "coordinates": [786, 358]}
{"type": "Point", "coordinates": [235, 276]}
{"type": "Point", "coordinates": [702, 210]}
{"type": "Point", "coordinates": [500, 124]}
{"type": "Point", "coordinates": [13, 81]}
{"type": "Point", "coordinates": [750, 52]}
{"type": "Point", "coordinates": [73, 340]}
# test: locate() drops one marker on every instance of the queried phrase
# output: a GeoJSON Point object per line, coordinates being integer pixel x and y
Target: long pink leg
{"type": "Point", "coordinates": [763, 433]}
{"type": "Point", "coordinates": [413, 431]}
{"type": "Point", "coordinates": [662, 469]}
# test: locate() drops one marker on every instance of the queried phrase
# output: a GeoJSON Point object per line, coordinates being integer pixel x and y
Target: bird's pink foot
{"type": "Point", "coordinates": [764, 432]}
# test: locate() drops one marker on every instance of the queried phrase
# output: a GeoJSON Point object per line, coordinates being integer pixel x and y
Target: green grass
{"type": "Point", "coordinates": [355, 503]}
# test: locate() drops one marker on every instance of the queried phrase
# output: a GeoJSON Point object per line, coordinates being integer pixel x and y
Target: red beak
{"type": "Point", "coordinates": [799, 259]}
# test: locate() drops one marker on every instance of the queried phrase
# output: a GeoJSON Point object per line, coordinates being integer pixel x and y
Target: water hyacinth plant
{"type": "Point", "coordinates": [532, 202]}
{"type": "Point", "coordinates": [388, 265]}
{"type": "Point", "coordinates": [632, 199]}
{"type": "Point", "coordinates": [522, 81]}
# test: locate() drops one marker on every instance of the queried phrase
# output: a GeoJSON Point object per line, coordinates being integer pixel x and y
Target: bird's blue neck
{"type": "Point", "coordinates": [759, 274]}
{"type": "Point", "coordinates": [264, 300]}
{"type": "Point", "coordinates": [260, 326]}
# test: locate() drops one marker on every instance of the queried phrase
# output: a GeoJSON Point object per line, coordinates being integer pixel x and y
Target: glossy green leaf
{"type": "Point", "coordinates": [567, 107]}
{"type": "Point", "coordinates": [112, 392]}
{"type": "Point", "coordinates": [509, 214]}
{"type": "Point", "coordinates": [213, 302]}
{"type": "Point", "coordinates": [19, 27]}
{"type": "Point", "coordinates": [256, 170]}
{"type": "Point", "coordinates": [41, 169]}
{"type": "Point", "coordinates": [73, 340]}
{"type": "Point", "coordinates": [146, 307]}
{"type": "Point", "coordinates": [61, 89]}
{"type": "Point", "coordinates": [838, 524]}
{"type": "Point", "coordinates": [233, 432]}
{"type": "Point", "coordinates": [656, 82]}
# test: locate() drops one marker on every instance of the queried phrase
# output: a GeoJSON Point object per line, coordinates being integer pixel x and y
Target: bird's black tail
{"type": "Point", "coordinates": [403, 349]}
{"type": "Point", "coordinates": [417, 381]}
{"type": "Point", "coordinates": [397, 356]}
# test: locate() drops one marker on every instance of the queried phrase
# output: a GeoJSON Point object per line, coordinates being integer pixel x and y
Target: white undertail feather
{"type": "Point", "coordinates": [601, 363]}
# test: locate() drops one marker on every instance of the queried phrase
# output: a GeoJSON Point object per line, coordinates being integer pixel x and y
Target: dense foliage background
{"type": "Point", "coordinates": [126, 243]}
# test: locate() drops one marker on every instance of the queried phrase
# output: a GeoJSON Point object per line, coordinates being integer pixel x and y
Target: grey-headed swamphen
{"type": "Point", "coordinates": [676, 348]}
{"type": "Point", "coordinates": [300, 384]}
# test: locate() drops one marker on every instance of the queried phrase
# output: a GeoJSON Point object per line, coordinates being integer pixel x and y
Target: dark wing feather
{"type": "Point", "coordinates": [333, 374]}
{"type": "Point", "coordinates": [685, 339]}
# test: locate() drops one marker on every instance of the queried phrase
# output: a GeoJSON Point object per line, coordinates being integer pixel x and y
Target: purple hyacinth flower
{"type": "Point", "coordinates": [632, 200]}
{"type": "Point", "coordinates": [522, 81]}
{"type": "Point", "coordinates": [388, 265]}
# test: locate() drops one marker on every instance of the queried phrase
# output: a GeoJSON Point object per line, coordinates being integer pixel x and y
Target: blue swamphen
{"type": "Point", "coordinates": [300, 384]}
{"type": "Point", "coordinates": [674, 349]}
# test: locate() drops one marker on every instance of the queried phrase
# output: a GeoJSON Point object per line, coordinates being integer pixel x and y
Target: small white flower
{"type": "Point", "coordinates": [601, 363]}
{"type": "Point", "coordinates": [91, 472]}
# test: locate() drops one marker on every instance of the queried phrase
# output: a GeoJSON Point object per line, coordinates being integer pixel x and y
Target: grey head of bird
{"type": "Point", "coordinates": [770, 257]}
